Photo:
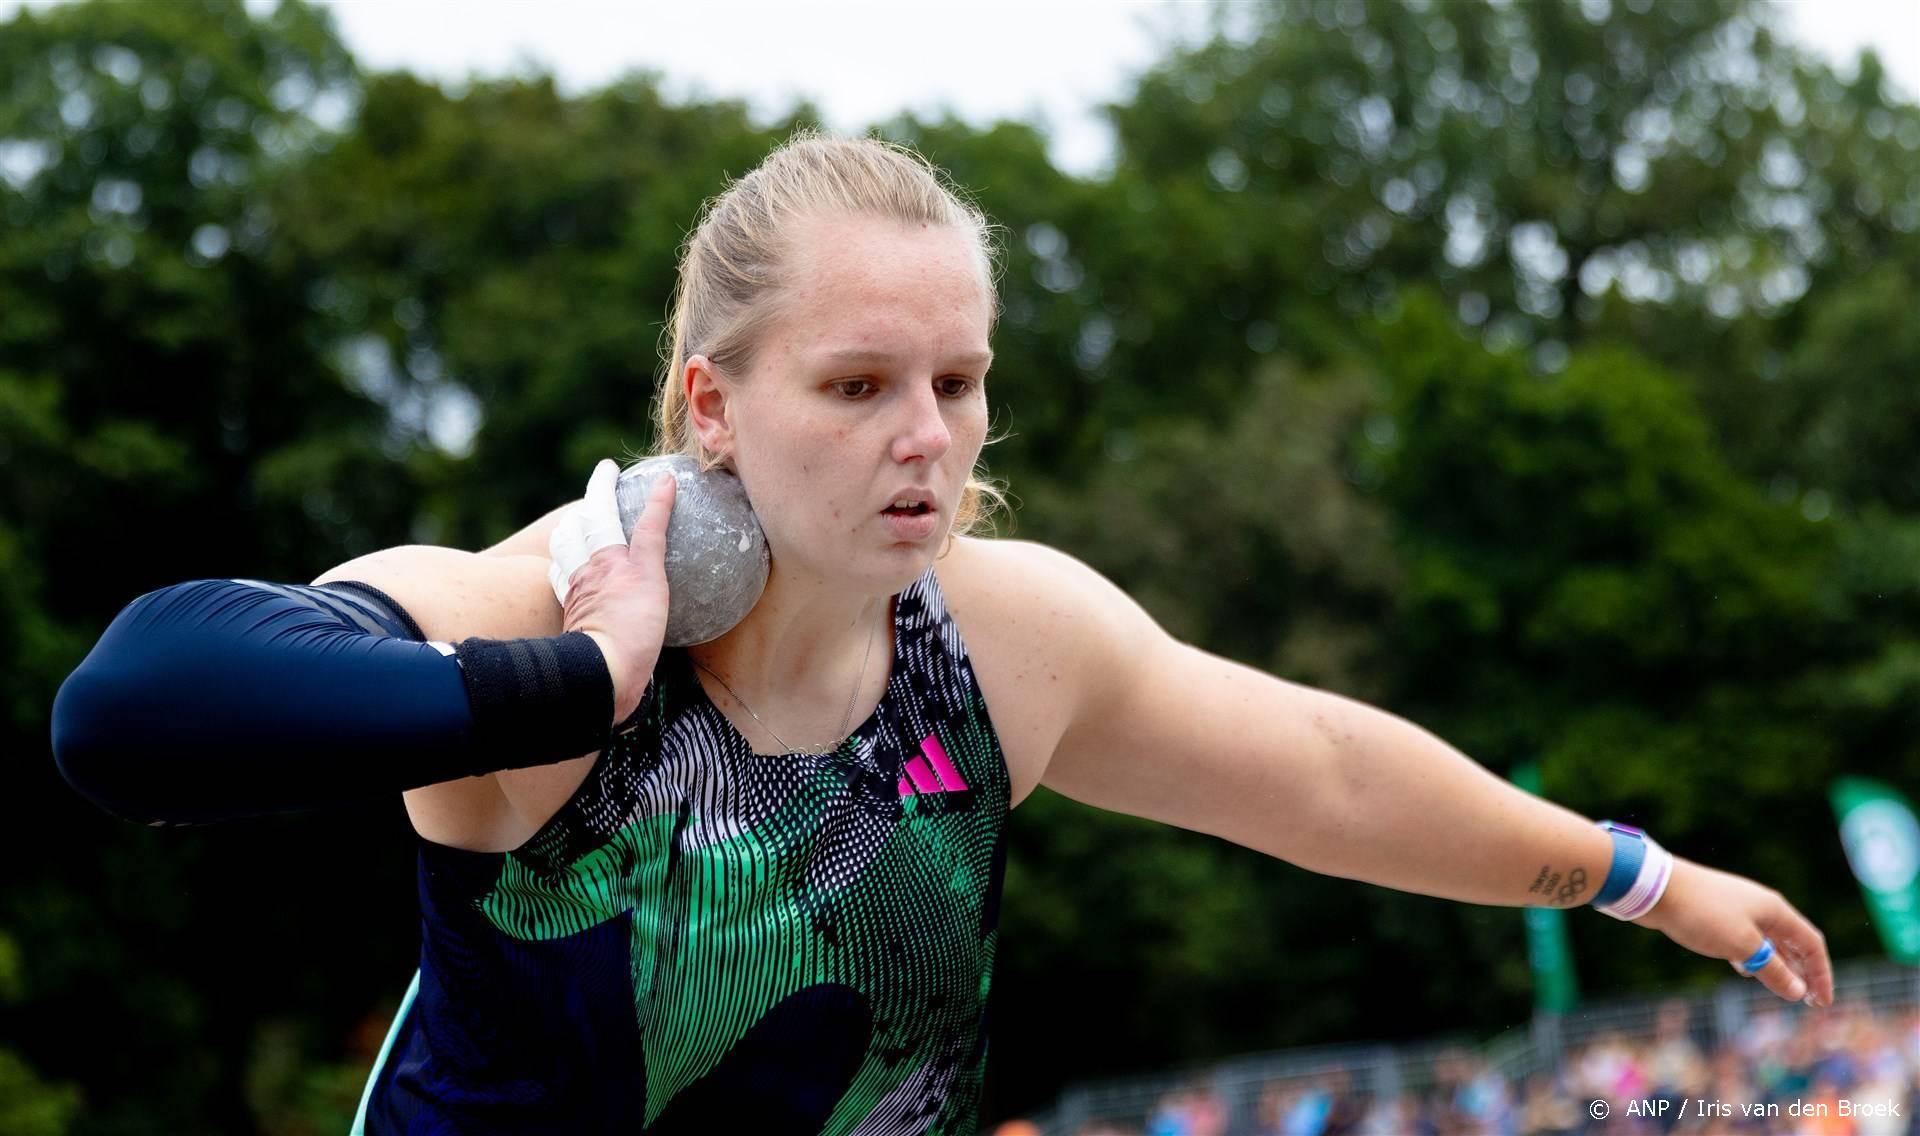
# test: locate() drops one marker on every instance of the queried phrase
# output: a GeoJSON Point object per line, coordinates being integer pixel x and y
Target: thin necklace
{"type": "Point", "coordinates": [845, 720]}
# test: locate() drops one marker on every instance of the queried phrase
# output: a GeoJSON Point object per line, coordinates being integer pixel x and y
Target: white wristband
{"type": "Point", "coordinates": [1648, 886]}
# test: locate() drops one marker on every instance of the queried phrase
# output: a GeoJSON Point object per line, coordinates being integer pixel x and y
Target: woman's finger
{"type": "Point", "coordinates": [1766, 963]}
{"type": "Point", "coordinates": [1805, 950]}
{"type": "Point", "coordinates": [649, 543]}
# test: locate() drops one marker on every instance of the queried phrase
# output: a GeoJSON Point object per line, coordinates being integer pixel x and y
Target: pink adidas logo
{"type": "Point", "coordinates": [931, 771]}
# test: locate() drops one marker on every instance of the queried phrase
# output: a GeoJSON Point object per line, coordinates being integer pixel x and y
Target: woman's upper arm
{"type": "Point", "coordinates": [1164, 730]}
{"type": "Point", "coordinates": [454, 595]}
{"type": "Point", "coordinates": [532, 540]}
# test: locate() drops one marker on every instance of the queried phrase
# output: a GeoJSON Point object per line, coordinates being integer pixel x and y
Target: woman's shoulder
{"type": "Point", "coordinates": [997, 559]}
{"type": "Point", "coordinates": [1029, 582]}
{"type": "Point", "coordinates": [1045, 632]}
{"type": "Point", "coordinates": [454, 594]}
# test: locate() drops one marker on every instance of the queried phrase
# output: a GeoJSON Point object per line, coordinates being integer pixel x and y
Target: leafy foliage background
{"type": "Point", "coordinates": [1542, 373]}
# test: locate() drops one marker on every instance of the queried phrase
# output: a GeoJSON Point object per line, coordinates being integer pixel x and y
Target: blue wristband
{"type": "Point", "coordinates": [1629, 852]}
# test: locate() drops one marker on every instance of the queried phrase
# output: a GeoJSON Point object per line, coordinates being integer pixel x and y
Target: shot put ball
{"type": "Point", "coordinates": [717, 559]}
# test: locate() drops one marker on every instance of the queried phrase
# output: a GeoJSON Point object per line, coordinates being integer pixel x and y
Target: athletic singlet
{"type": "Point", "coordinates": [703, 940]}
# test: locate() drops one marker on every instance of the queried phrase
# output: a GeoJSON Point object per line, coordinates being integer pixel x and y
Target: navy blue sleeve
{"type": "Point", "coordinates": [224, 698]}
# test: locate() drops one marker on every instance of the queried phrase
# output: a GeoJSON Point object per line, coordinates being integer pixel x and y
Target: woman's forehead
{"type": "Point", "coordinates": [876, 339]}
{"type": "Point", "coordinates": [879, 286]}
{"type": "Point", "coordinates": [843, 255]}
{"type": "Point", "coordinates": [963, 357]}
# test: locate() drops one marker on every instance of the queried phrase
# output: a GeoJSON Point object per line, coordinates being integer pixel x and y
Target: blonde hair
{"type": "Point", "coordinates": [732, 270]}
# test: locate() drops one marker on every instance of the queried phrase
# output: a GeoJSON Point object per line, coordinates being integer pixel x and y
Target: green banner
{"type": "Point", "coordinates": [1555, 989]}
{"type": "Point", "coordinates": [1882, 840]}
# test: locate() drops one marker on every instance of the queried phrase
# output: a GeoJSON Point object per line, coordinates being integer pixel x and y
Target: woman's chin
{"type": "Point", "coordinates": [886, 567]}
{"type": "Point", "coordinates": [902, 565]}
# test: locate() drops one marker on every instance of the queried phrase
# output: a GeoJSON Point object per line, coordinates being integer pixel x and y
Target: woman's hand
{"type": "Point", "coordinates": [1725, 916]}
{"type": "Point", "coordinates": [614, 591]}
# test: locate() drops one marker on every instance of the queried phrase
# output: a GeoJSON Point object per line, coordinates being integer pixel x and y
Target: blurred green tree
{"type": "Point", "coordinates": [162, 378]}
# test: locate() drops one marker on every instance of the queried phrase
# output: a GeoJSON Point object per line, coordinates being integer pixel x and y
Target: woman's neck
{"type": "Point", "coordinates": [804, 641]}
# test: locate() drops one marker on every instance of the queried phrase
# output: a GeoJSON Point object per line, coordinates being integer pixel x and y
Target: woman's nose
{"type": "Point", "coordinates": [925, 432]}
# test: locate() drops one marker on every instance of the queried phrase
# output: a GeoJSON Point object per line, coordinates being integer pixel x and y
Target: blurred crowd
{"type": "Point", "coordinates": [1785, 1073]}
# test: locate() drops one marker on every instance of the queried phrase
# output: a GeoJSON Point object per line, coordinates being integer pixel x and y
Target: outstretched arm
{"type": "Point", "coordinates": [1164, 730]}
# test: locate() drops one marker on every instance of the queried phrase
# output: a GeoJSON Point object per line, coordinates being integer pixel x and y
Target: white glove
{"type": "Point", "coordinates": [593, 523]}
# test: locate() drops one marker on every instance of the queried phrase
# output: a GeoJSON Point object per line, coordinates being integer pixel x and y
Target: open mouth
{"type": "Point", "coordinates": [909, 511]}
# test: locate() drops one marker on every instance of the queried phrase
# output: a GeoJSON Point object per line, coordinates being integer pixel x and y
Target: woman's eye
{"type": "Point", "coordinates": [953, 386]}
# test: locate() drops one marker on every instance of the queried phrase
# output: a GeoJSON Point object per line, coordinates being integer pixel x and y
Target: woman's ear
{"type": "Point", "coordinates": [710, 406]}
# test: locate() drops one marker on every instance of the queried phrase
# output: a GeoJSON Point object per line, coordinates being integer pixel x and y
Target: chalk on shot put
{"type": "Point", "coordinates": [717, 559]}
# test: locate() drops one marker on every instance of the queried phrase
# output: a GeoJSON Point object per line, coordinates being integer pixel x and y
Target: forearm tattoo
{"type": "Point", "coordinates": [1560, 892]}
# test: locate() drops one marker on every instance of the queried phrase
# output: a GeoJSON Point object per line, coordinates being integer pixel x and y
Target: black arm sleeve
{"type": "Point", "coordinates": [224, 698]}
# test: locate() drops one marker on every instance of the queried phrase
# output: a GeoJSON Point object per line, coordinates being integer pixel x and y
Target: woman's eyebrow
{"type": "Point", "coordinates": [861, 356]}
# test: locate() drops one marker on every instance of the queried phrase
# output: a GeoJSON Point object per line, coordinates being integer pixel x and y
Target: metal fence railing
{"type": "Point", "coordinates": [1383, 1072]}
